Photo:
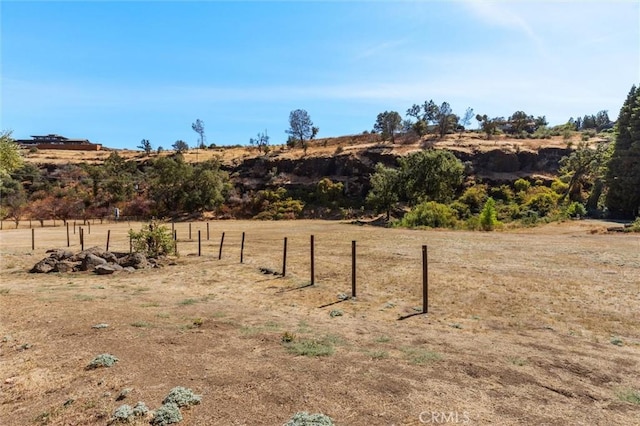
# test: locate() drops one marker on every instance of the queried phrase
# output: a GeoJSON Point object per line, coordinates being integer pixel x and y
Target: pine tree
{"type": "Point", "coordinates": [623, 176]}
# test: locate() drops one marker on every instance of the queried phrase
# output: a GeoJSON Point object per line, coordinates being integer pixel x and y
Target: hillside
{"type": "Point", "coordinates": [347, 157]}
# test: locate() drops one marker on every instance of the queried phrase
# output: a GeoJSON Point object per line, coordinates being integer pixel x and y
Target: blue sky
{"type": "Point", "coordinates": [119, 72]}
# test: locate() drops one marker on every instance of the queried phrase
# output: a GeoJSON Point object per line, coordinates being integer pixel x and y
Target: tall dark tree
{"type": "Point", "coordinates": [465, 120]}
{"type": "Point", "coordinates": [623, 176]}
{"type": "Point", "coordinates": [198, 127]}
{"type": "Point", "coordinates": [301, 129]}
{"type": "Point", "coordinates": [180, 146]}
{"type": "Point", "coordinates": [388, 123]}
{"type": "Point", "coordinates": [489, 125]}
{"type": "Point", "coordinates": [261, 142]}
{"type": "Point", "coordinates": [145, 145]}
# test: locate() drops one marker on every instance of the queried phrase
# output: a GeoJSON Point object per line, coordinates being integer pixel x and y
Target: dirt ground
{"type": "Point", "coordinates": [536, 326]}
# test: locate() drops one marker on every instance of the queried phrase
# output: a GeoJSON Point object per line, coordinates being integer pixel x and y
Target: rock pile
{"type": "Point", "coordinates": [93, 259]}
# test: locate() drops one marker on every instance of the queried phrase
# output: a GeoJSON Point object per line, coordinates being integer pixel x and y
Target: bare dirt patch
{"type": "Point", "coordinates": [535, 326]}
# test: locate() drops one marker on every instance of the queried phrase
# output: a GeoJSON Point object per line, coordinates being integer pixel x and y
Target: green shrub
{"type": "Point", "coordinates": [123, 413]}
{"type": "Point", "coordinates": [576, 209]}
{"type": "Point", "coordinates": [635, 226]}
{"type": "Point", "coordinates": [559, 187]}
{"type": "Point", "coordinates": [305, 419]}
{"type": "Point", "coordinates": [182, 397]}
{"type": "Point", "coordinates": [430, 214]}
{"type": "Point", "coordinates": [167, 414]}
{"type": "Point", "coordinates": [502, 192]}
{"type": "Point", "coordinates": [488, 217]}
{"type": "Point", "coordinates": [102, 360]}
{"type": "Point", "coordinates": [461, 209]}
{"type": "Point", "coordinates": [521, 185]}
{"type": "Point", "coordinates": [543, 201]}
{"type": "Point", "coordinates": [153, 240]}
{"type": "Point", "coordinates": [474, 197]}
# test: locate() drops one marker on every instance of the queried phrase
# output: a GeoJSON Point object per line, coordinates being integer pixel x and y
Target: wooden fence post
{"type": "Point", "coordinates": [68, 242]}
{"type": "Point", "coordinates": [425, 281]}
{"type": "Point", "coordinates": [242, 249]}
{"type": "Point", "coordinates": [284, 258]}
{"type": "Point", "coordinates": [189, 231]}
{"type": "Point", "coordinates": [108, 238]}
{"type": "Point", "coordinates": [199, 244]}
{"type": "Point", "coordinates": [353, 269]}
{"type": "Point", "coordinates": [313, 266]}
{"type": "Point", "coordinates": [221, 243]}
{"type": "Point", "coordinates": [33, 239]}
{"type": "Point", "coordinates": [207, 231]}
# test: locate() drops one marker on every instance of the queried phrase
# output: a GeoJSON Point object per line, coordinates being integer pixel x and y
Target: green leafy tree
{"type": "Point", "coordinates": [206, 188]}
{"type": "Point", "coordinates": [623, 176]}
{"type": "Point", "coordinates": [388, 123]}
{"type": "Point", "coordinates": [153, 240]}
{"type": "Point", "coordinates": [585, 168]}
{"type": "Point", "coordinates": [489, 125]}
{"type": "Point", "coordinates": [180, 146]}
{"type": "Point", "coordinates": [301, 129]}
{"type": "Point", "coordinates": [434, 175]}
{"type": "Point", "coordinates": [489, 216]}
{"type": "Point", "coordinates": [145, 145]}
{"type": "Point", "coordinates": [10, 158]}
{"type": "Point", "coordinates": [384, 183]}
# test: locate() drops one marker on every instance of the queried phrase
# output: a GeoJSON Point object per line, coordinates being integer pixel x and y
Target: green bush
{"type": "Point", "coordinates": [430, 214]}
{"type": "Point", "coordinates": [305, 419]}
{"type": "Point", "coordinates": [488, 216]}
{"type": "Point", "coordinates": [153, 240]}
{"type": "Point", "coordinates": [167, 414]}
{"type": "Point", "coordinates": [559, 187]}
{"type": "Point", "coordinates": [576, 209]}
{"type": "Point", "coordinates": [474, 197]}
{"type": "Point", "coordinates": [462, 210]}
{"type": "Point", "coordinates": [502, 192]}
{"type": "Point", "coordinates": [543, 201]}
{"type": "Point", "coordinates": [635, 226]}
{"type": "Point", "coordinates": [182, 397]}
{"type": "Point", "coordinates": [102, 360]}
{"type": "Point", "coordinates": [521, 185]}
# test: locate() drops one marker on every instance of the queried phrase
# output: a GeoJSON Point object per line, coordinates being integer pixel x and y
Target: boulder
{"type": "Point", "coordinates": [135, 260]}
{"type": "Point", "coordinates": [64, 266]}
{"type": "Point", "coordinates": [90, 261]}
{"type": "Point", "coordinates": [104, 269]}
{"type": "Point", "coordinates": [60, 254]}
{"type": "Point", "coordinates": [47, 264]}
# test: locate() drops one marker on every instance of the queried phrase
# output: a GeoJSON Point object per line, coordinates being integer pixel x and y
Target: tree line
{"type": "Point", "coordinates": [435, 186]}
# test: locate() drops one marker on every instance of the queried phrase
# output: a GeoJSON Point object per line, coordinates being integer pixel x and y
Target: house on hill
{"type": "Point", "coordinates": [53, 141]}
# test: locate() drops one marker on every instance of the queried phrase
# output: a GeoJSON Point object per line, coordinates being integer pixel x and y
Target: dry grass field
{"type": "Point", "coordinates": [535, 326]}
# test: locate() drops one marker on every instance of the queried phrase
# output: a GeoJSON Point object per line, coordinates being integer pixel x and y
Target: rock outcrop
{"type": "Point", "coordinates": [93, 259]}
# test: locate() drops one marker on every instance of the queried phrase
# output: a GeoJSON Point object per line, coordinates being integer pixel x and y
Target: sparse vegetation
{"type": "Point", "coordinates": [305, 419]}
{"type": "Point", "coordinates": [102, 360]}
{"type": "Point", "coordinates": [629, 395]}
{"type": "Point", "coordinates": [420, 356]}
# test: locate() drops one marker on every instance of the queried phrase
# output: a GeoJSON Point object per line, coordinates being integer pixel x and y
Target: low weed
{"type": "Point", "coordinates": [418, 356]}
{"type": "Point", "coordinates": [310, 347]}
{"type": "Point", "coordinates": [629, 395]}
